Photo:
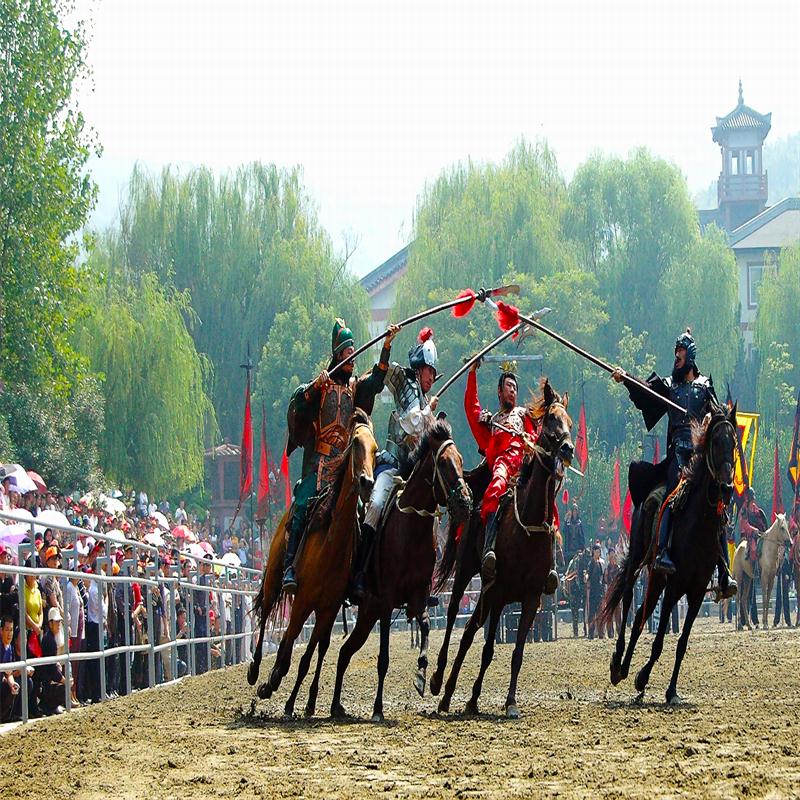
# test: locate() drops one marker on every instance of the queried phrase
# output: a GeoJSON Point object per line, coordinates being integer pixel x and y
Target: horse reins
{"type": "Point", "coordinates": [437, 475]}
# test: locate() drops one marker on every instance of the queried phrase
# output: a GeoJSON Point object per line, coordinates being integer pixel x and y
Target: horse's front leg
{"type": "Point", "coordinates": [655, 585]}
{"type": "Point", "coordinates": [486, 658]}
{"type": "Point", "coordinates": [617, 673]}
{"type": "Point", "coordinates": [691, 614]}
{"type": "Point", "coordinates": [383, 666]}
{"type": "Point", "coordinates": [422, 662]}
{"type": "Point", "coordinates": [459, 585]}
{"type": "Point", "coordinates": [643, 676]}
{"type": "Point", "coordinates": [529, 608]}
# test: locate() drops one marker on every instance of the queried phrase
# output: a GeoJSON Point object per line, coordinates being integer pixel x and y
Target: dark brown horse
{"type": "Point", "coordinates": [696, 527]}
{"type": "Point", "coordinates": [322, 570]}
{"type": "Point", "coordinates": [402, 568]}
{"type": "Point", "coordinates": [525, 541]}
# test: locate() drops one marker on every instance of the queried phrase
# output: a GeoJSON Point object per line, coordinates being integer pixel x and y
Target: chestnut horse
{"type": "Point", "coordinates": [401, 569]}
{"type": "Point", "coordinates": [696, 528]}
{"type": "Point", "coordinates": [323, 569]}
{"type": "Point", "coordinates": [525, 540]}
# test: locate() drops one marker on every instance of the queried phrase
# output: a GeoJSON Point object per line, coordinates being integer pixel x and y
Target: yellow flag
{"type": "Point", "coordinates": [747, 425]}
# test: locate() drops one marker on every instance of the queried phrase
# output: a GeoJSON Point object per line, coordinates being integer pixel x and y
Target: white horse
{"type": "Point", "coordinates": [773, 540]}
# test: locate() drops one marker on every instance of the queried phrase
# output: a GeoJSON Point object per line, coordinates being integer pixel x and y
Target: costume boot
{"type": "Point", "coordinates": [663, 562]}
{"type": "Point", "coordinates": [489, 559]}
{"type": "Point", "coordinates": [727, 585]}
{"type": "Point", "coordinates": [364, 548]}
{"type": "Point", "coordinates": [295, 534]}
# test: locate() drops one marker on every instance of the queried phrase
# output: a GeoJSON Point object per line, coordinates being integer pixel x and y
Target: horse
{"type": "Point", "coordinates": [323, 569]}
{"type": "Point", "coordinates": [697, 522]}
{"type": "Point", "coordinates": [524, 547]}
{"type": "Point", "coordinates": [401, 568]}
{"type": "Point", "coordinates": [773, 539]}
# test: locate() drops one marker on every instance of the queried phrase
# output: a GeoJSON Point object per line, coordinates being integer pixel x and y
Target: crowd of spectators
{"type": "Point", "coordinates": [86, 615]}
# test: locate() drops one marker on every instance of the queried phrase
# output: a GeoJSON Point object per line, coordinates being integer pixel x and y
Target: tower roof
{"type": "Point", "coordinates": [741, 118]}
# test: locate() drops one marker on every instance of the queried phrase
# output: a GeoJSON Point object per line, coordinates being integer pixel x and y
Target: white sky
{"type": "Point", "coordinates": [373, 98]}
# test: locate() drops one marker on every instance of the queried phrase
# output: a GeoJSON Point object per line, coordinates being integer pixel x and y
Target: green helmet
{"type": "Point", "coordinates": [341, 337]}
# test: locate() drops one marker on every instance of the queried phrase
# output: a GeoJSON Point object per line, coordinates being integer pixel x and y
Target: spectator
{"type": "Point", "coordinates": [50, 676]}
{"type": "Point", "coordinates": [51, 590]}
{"type": "Point", "coordinates": [95, 620]}
{"type": "Point", "coordinates": [181, 517]}
{"type": "Point", "coordinates": [201, 602]}
{"type": "Point", "coordinates": [612, 570]}
{"type": "Point", "coordinates": [34, 615]}
{"type": "Point", "coordinates": [574, 537]}
{"type": "Point", "coordinates": [594, 586]}
{"type": "Point", "coordinates": [77, 624]}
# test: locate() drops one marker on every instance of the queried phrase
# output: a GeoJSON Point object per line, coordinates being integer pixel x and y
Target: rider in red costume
{"type": "Point", "coordinates": [504, 452]}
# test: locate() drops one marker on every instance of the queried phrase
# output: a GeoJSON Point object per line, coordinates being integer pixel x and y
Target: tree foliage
{"type": "Point", "coordinates": [154, 383]}
{"type": "Point", "coordinates": [247, 247]}
{"type": "Point", "coordinates": [45, 193]}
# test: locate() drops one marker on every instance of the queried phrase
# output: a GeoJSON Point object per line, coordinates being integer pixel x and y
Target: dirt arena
{"type": "Point", "coordinates": [736, 735]}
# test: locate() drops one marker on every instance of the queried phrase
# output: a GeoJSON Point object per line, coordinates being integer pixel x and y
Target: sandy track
{"type": "Point", "coordinates": [737, 734]}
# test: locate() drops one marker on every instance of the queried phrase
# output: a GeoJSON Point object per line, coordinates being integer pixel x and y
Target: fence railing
{"type": "Point", "coordinates": [160, 587]}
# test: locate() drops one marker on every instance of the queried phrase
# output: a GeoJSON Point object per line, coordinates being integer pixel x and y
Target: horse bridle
{"type": "Point", "coordinates": [712, 428]}
{"type": "Point", "coordinates": [436, 477]}
{"type": "Point", "coordinates": [346, 453]}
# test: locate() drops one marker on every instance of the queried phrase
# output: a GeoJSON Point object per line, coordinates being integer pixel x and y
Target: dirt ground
{"type": "Point", "coordinates": [737, 733]}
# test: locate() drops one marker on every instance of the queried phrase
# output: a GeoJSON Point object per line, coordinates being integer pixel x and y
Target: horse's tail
{"type": "Point", "coordinates": [613, 595]}
{"type": "Point", "coordinates": [270, 592]}
{"type": "Point", "coordinates": [447, 565]}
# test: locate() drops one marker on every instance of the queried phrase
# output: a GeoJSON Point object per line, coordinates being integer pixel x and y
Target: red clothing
{"type": "Point", "coordinates": [504, 451]}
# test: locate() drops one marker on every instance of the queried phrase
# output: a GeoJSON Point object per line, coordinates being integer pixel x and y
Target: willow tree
{"type": "Point", "coordinates": [245, 245]}
{"type": "Point", "coordinates": [154, 384]}
{"type": "Point", "coordinates": [485, 225]}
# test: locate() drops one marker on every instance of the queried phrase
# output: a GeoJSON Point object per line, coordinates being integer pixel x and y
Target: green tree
{"type": "Point", "coordinates": [154, 383]}
{"type": "Point", "coordinates": [45, 193]}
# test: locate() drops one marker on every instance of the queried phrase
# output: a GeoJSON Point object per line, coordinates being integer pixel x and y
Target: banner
{"type": "Point", "coordinates": [747, 431]}
{"type": "Point", "coordinates": [581, 441]}
{"type": "Point", "coordinates": [246, 462]}
{"type": "Point", "coordinates": [262, 508]}
{"type": "Point", "coordinates": [627, 512]}
{"type": "Point", "coordinates": [793, 466]}
{"type": "Point", "coordinates": [287, 485]}
{"type": "Point", "coordinates": [616, 501]}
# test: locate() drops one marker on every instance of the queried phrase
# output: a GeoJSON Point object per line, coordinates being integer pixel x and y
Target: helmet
{"type": "Point", "coordinates": [423, 353]}
{"type": "Point", "coordinates": [341, 337]}
{"type": "Point", "coordinates": [686, 341]}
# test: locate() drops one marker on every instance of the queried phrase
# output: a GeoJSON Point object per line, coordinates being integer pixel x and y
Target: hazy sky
{"type": "Point", "coordinates": [374, 98]}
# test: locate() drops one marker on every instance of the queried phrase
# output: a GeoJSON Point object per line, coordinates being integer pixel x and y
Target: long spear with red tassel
{"type": "Point", "coordinates": [509, 317]}
{"type": "Point", "coordinates": [461, 306]}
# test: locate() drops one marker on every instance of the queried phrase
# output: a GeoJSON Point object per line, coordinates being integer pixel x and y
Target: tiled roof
{"type": "Point", "coordinates": [224, 449]}
{"type": "Point", "coordinates": [741, 118]}
{"type": "Point", "coordinates": [389, 267]}
{"type": "Point", "coordinates": [769, 214]}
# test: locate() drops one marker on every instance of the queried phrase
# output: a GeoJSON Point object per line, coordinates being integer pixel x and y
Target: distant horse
{"type": "Point", "coordinates": [696, 528]}
{"type": "Point", "coordinates": [773, 539]}
{"type": "Point", "coordinates": [323, 568]}
{"type": "Point", "coordinates": [401, 569]}
{"type": "Point", "coordinates": [525, 540]}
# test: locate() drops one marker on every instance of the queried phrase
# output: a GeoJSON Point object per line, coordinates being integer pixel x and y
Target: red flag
{"type": "Point", "coordinates": [286, 481]}
{"type": "Point", "coordinates": [627, 512]}
{"type": "Point", "coordinates": [777, 497]}
{"type": "Point", "coordinates": [262, 509]}
{"type": "Point", "coordinates": [657, 452]}
{"type": "Point", "coordinates": [246, 463]}
{"type": "Point", "coordinates": [565, 497]}
{"type": "Point", "coordinates": [616, 503]}
{"type": "Point", "coordinates": [581, 441]}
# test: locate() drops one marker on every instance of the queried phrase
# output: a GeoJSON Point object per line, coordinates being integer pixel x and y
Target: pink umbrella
{"type": "Point", "coordinates": [37, 479]}
{"type": "Point", "coordinates": [180, 532]}
{"type": "Point", "coordinates": [207, 548]}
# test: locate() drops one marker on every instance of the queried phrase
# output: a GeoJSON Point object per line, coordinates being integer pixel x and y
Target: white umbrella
{"type": "Point", "coordinates": [114, 506]}
{"type": "Point", "coordinates": [12, 535]}
{"type": "Point", "coordinates": [160, 519]}
{"type": "Point", "coordinates": [48, 518]}
{"type": "Point", "coordinates": [231, 559]}
{"type": "Point", "coordinates": [24, 481]}
{"type": "Point", "coordinates": [155, 539]}
{"type": "Point", "coordinates": [102, 502]}
{"type": "Point", "coordinates": [116, 536]}
{"type": "Point", "coordinates": [195, 550]}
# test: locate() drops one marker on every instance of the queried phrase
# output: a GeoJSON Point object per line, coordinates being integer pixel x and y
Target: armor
{"type": "Point", "coordinates": [696, 397]}
{"type": "Point", "coordinates": [405, 421]}
{"type": "Point", "coordinates": [513, 419]}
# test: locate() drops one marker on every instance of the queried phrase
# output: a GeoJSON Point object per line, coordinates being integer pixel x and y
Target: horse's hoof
{"type": "Point", "coordinates": [264, 691]}
{"type": "Point", "coordinates": [436, 683]}
{"type": "Point", "coordinates": [337, 711]}
{"type": "Point", "coordinates": [639, 699]}
{"type": "Point", "coordinates": [641, 681]}
{"type": "Point", "coordinates": [419, 684]}
{"type": "Point", "coordinates": [674, 699]}
{"type": "Point", "coordinates": [444, 705]}
{"type": "Point", "coordinates": [309, 710]}
{"type": "Point", "coordinates": [471, 708]}
{"type": "Point", "coordinates": [512, 712]}
{"type": "Point", "coordinates": [377, 716]}
{"type": "Point", "coordinates": [616, 672]}
{"type": "Point", "coordinates": [252, 673]}
{"type": "Point", "coordinates": [288, 710]}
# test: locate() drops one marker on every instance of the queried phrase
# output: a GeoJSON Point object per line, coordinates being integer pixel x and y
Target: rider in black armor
{"type": "Point", "coordinates": [694, 392]}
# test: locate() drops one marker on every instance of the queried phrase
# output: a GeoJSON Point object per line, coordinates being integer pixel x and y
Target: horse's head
{"type": "Point", "coordinates": [551, 409]}
{"type": "Point", "coordinates": [362, 457]}
{"type": "Point", "coordinates": [715, 439]}
{"type": "Point", "coordinates": [438, 462]}
{"type": "Point", "coordinates": [782, 527]}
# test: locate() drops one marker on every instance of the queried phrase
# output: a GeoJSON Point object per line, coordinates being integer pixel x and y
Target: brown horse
{"type": "Point", "coordinates": [695, 549]}
{"type": "Point", "coordinates": [323, 569]}
{"type": "Point", "coordinates": [402, 567]}
{"type": "Point", "coordinates": [525, 541]}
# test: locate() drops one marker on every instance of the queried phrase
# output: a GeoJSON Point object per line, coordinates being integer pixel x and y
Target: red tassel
{"type": "Point", "coordinates": [507, 316]}
{"type": "Point", "coordinates": [424, 335]}
{"type": "Point", "coordinates": [462, 309]}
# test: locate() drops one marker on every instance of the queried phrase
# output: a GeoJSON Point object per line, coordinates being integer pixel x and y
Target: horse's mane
{"type": "Point", "coordinates": [694, 470]}
{"type": "Point", "coordinates": [537, 405]}
{"type": "Point", "coordinates": [440, 430]}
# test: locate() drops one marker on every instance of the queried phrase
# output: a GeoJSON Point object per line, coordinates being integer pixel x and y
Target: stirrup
{"type": "Point", "coordinates": [289, 581]}
{"type": "Point", "coordinates": [488, 567]}
{"type": "Point", "coordinates": [663, 563]}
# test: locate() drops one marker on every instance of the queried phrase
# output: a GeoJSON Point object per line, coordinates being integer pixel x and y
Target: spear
{"type": "Point", "coordinates": [461, 306]}
{"type": "Point", "coordinates": [509, 317]}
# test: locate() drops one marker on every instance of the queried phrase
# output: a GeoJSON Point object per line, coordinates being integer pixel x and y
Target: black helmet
{"type": "Point", "coordinates": [686, 341]}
